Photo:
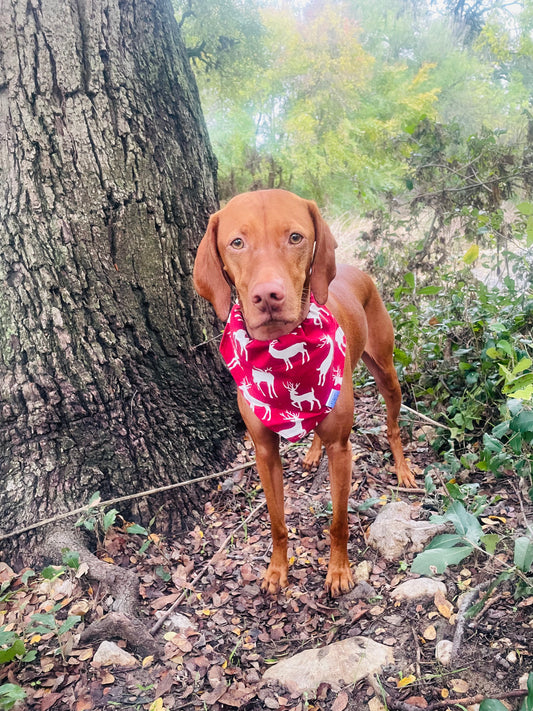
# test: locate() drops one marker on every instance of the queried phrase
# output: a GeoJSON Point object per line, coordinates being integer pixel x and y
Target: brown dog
{"type": "Point", "coordinates": [276, 249]}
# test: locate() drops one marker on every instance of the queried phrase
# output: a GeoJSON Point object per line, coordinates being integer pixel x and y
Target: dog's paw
{"type": "Point", "coordinates": [274, 579]}
{"type": "Point", "coordinates": [312, 459]}
{"type": "Point", "coordinates": [405, 477]}
{"type": "Point", "coordinates": [339, 581]}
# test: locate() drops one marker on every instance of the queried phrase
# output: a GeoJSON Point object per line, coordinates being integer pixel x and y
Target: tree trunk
{"type": "Point", "coordinates": [106, 184]}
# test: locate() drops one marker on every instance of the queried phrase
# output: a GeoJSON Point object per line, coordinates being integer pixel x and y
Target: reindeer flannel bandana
{"type": "Point", "coordinates": [293, 382]}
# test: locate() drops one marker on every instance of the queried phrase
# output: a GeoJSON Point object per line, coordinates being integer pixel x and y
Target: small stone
{"type": "Point", "coordinates": [347, 661]}
{"type": "Point", "coordinates": [180, 622]}
{"type": "Point", "coordinates": [443, 652]}
{"type": "Point", "coordinates": [417, 589]}
{"type": "Point", "coordinates": [109, 653]}
{"type": "Point", "coordinates": [362, 571]}
{"type": "Point", "coordinates": [394, 532]}
{"type": "Point", "coordinates": [512, 657]}
{"type": "Point", "coordinates": [375, 704]}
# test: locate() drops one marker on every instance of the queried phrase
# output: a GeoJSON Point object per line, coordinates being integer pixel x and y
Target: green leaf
{"type": "Point", "coordinates": [527, 704]}
{"type": "Point", "coordinates": [16, 649]}
{"type": "Point", "coordinates": [27, 575]}
{"type": "Point", "coordinates": [95, 499]}
{"type": "Point", "coordinates": [493, 353]}
{"type": "Point", "coordinates": [526, 208]}
{"type": "Point", "coordinates": [10, 694]}
{"type": "Point", "coordinates": [523, 422]}
{"type": "Point", "coordinates": [135, 528]}
{"type": "Point", "coordinates": [109, 519]}
{"type": "Point", "coordinates": [492, 444]}
{"type": "Point", "coordinates": [523, 553]}
{"type": "Point", "coordinates": [492, 705]}
{"type": "Point", "coordinates": [71, 558]}
{"type": "Point", "coordinates": [471, 254]}
{"type": "Point", "coordinates": [52, 571]}
{"type": "Point", "coordinates": [429, 290]}
{"type": "Point", "coordinates": [436, 560]}
{"type": "Point", "coordinates": [465, 523]}
{"type": "Point", "coordinates": [410, 279]}
{"type": "Point", "coordinates": [490, 541]}
{"type": "Point", "coordinates": [523, 364]}
{"type": "Point", "coordinates": [162, 573]}
{"type": "Point", "coordinates": [46, 619]}
{"type": "Point", "coordinates": [69, 623]}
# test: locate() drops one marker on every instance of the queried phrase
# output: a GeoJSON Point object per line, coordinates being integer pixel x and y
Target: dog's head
{"type": "Point", "coordinates": [275, 248]}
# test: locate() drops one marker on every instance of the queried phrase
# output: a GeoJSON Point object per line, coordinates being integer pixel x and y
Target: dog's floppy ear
{"type": "Point", "coordinates": [323, 268]}
{"type": "Point", "coordinates": [208, 276]}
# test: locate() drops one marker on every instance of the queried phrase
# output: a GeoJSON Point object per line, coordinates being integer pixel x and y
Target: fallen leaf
{"type": "Point", "coordinates": [417, 701]}
{"type": "Point", "coordinates": [410, 679]}
{"type": "Point", "coordinates": [443, 605]}
{"type": "Point", "coordinates": [108, 678]}
{"type": "Point", "coordinates": [49, 700]}
{"type": "Point", "coordinates": [460, 686]}
{"type": "Point", "coordinates": [430, 633]}
{"type": "Point", "coordinates": [341, 702]}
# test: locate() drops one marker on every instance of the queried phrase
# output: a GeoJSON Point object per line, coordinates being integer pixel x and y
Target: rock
{"type": "Point", "coordinates": [443, 652]}
{"type": "Point", "coordinates": [375, 704]}
{"type": "Point", "coordinates": [394, 532]}
{"type": "Point", "coordinates": [180, 622]}
{"type": "Point", "coordinates": [350, 660]}
{"type": "Point", "coordinates": [417, 589]}
{"type": "Point", "coordinates": [109, 653]}
{"type": "Point", "coordinates": [361, 572]}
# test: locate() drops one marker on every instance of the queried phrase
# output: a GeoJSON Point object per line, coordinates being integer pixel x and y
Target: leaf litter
{"type": "Point", "coordinates": [226, 632]}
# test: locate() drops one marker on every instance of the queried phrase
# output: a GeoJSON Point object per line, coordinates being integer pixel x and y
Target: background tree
{"type": "Point", "coordinates": [107, 181]}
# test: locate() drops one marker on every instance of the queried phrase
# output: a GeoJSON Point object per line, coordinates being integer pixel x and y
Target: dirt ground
{"type": "Point", "coordinates": [234, 632]}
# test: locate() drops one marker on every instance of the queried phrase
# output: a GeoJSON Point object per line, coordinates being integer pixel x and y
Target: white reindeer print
{"type": "Point", "coordinates": [252, 401]}
{"type": "Point", "coordinates": [340, 341]}
{"type": "Point", "coordinates": [315, 313]}
{"type": "Point", "coordinates": [264, 376]}
{"type": "Point", "coordinates": [298, 398]}
{"type": "Point", "coordinates": [324, 367]}
{"type": "Point", "coordinates": [337, 377]}
{"type": "Point", "coordinates": [296, 430]}
{"type": "Point", "coordinates": [241, 339]}
{"type": "Point", "coordinates": [285, 354]}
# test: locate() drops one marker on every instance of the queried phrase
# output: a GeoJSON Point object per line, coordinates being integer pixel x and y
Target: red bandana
{"type": "Point", "coordinates": [290, 383]}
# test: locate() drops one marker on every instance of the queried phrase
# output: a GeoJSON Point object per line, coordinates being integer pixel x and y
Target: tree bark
{"type": "Point", "coordinates": [106, 184]}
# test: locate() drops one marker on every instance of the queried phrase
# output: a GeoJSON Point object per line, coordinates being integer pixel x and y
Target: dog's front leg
{"type": "Point", "coordinates": [270, 471]}
{"type": "Point", "coordinates": [339, 577]}
{"type": "Point", "coordinates": [334, 431]}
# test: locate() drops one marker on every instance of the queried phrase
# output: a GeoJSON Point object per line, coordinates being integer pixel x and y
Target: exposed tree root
{"type": "Point", "coordinates": [123, 586]}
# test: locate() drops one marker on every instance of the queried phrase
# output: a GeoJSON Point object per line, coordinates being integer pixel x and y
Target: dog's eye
{"type": "Point", "coordinates": [295, 238]}
{"type": "Point", "coordinates": [237, 243]}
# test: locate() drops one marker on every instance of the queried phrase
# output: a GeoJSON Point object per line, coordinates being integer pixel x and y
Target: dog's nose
{"type": "Point", "coordinates": [268, 296]}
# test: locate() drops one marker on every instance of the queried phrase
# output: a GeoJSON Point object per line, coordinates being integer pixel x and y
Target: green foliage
{"type": "Point", "coordinates": [527, 704]}
{"type": "Point", "coordinates": [332, 100]}
{"type": "Point", "coordinates": [9, 695]}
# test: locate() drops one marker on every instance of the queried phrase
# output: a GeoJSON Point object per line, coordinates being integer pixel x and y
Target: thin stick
{"type": "Point", "coordinates": [425, 418]}
{"type": "Point", "coordinates": [157, 626]}
{"type": "Point", "coordinates": [129, 497]}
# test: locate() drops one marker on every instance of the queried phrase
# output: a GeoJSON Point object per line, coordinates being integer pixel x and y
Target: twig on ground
{"type": "Point", "coordinates": [418, 655]}
{"type": "Point", "coordinates": [425, 418]}
{"type": "Point", "coordinates": [157, 626]}
{"type": "Point", "coordinates": [467, 601]}
{"type": "Point", "coordinates": [397, 705]}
